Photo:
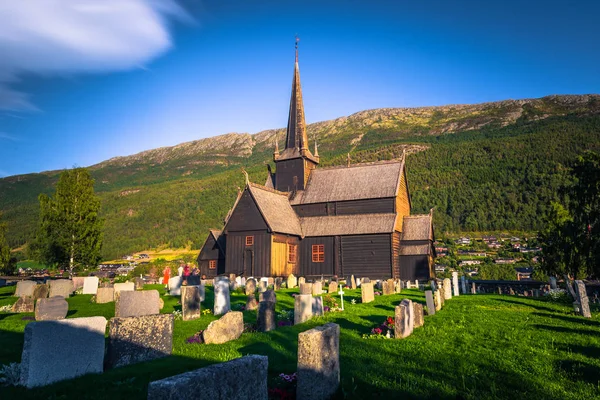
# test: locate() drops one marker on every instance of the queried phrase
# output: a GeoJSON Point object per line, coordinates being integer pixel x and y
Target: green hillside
{"type": "Point", "coordinates": [493, 166]}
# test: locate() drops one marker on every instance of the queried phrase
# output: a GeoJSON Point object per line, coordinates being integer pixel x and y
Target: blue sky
{"type": "Point", "coordinates": [82, 82]}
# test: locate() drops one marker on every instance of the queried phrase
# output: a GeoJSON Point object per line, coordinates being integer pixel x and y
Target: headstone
{"type": "Point", "coordinates": [262, 286]}
{"type": "Point", "coordinates": [499, 290]}
{"type": "Point", "coordinates": [58, 350]}
{"type": "Point", "coordinates": [388, 287]}
{"type": "Point", "coordinates": [463, 284]}
{"type": "Point", "coordinates": [269, 295]}
{"type": "Point", "coordinates": [433, 285]}
{"type": "Point", "coordinates": [277, 283]}
{"type": "Point", "coordinates": [193, 280]}
{"type": "Point", "coordinates": [455, 291]}
{"type": "Point", "coordinates": [41, 291]}
{"type": "Point", "coordinates": [366, 280]}
{"type": "Point", "coordinates": [105, 295]}
{"type": "Point", "coordinates": [61, 287]}
{"type": "Point", "coordinates": [358, 281]}
{"type": "Point", "coordinates": [238, 280]}
{"type": "Point", "coordinates": [137, 339]}
{"type": "Point", "coordinates": [244, 378]}
{"type": "Point", "coordinates": [301, 280]}
{"type": "Point", "coordinates": [233, 285]}
{"type": "Point", "coordinates": [25, 288]}
{"type": "Point", "coordinates": [367, 292]}
{"type": "Point", "coordinates": [137, 303]}
{"type": "Point", "coordinates": [250, 286]}
{"type": "Point", "coordinates": [291, 281]}
{"type": "Point", "coordinates": [306, 288]}
{"type": "Point", "coordinates": [190, 302]}
{"type": "Point", "coordinates": [332, 287]}
{"type": "Point", "coordinates": [582, 299]}
{"type": "Point", "coordinates": [51, 309]}
{"type": "Point", "coordinates": [473, 288]}
{"type": "Point", "coordinates": [302, 308]}
{"type": "Point", "coordinates": [90, 285]}
{"type": "Point", "coordinates": [78, 282]}
{"type": "Point", "coordinates": [317, 306]}
{"type": "Point", "coordinates": [318, 363]}
{"type": "Point", "coordinates": [232, 277]}
{"type": "Point", "coordinates": [511, 291]}
{"type": "Point", "coordinates": [430, 302]}
{"type": "Point", "coordinates": [138, 283]}
{"type": "Point", "coordinates": [229, 327]}
{"type": "Point", "coordinates": [221, 287]}
{"type": "Point", "coordinates": [398, 286]}
{"type": "Point", "coordinates": [265, 319]}
{"type": "Point", "coordinates": [438, 300]}
{"type": "Point", "coordinates": [447, 289]}
{"type": "Point", "coordinates": [123, 287]}
{"type": "Point", "coordinates": [404, 319]}
{"type": "Point", "coordinates": [352, 282]}
{"type": "Point", "coordinates": [251, 303]}
{"type": "Point", "coordinates": [317, 288]}
{"type": "Point", "coordinates": [419, 318]}
{"type": "Point", "coordinates": [175, 285]}
{"type": "Point", "coordinates": [552, 282]}
{"type": "Point", "coordinates": [23, 305]}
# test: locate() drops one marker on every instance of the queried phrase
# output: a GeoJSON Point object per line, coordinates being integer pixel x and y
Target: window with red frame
{"type": "Point", "coordinates": [292, 253]}
{"type": "Point", "coordinates": [249, 240]}
{"type": "Point", "coordinates": [318, 253]}
{"type": "Point", "coordinates": [212, 264]}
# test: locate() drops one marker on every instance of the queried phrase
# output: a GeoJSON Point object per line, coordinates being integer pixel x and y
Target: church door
{"type": "Point", "coordinates": [248, 263]}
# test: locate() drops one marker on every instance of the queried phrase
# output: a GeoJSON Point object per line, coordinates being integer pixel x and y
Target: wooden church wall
{"type": "Point", "coordinates": [246, 216]}
{"type": "Point", "coordinates": [415, 268]}
{"type": "Point", "coordinates": [254, 260]}
{"type": "Point", "coordinates": [307, 266]}
{"type": "Point", "coordinates": [367, 255]}
{"type": "Point", "coordinates": [350, 207]}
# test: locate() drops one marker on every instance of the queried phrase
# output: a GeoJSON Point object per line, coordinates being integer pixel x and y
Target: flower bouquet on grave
{"type": "Point", "coordinates": [383, 331]}
{"type": "Point", "coordinates": [284, 387]}
{"type": "Point", "coordinates": [195, 338]}
{"type": "Point", "coordinates": [377, 293]}
{"type": "Point", "coordinates": [206, 311]}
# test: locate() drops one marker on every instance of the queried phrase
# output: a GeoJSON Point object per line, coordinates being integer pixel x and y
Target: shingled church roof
{"type": "Point", "coordinates": [275, 209]}
{"type": "Point", "coordinates": [417, 227]}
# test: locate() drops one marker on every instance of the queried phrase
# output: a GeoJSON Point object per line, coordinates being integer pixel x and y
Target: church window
{"type": "Point", "coordinates": [292, 251]}
{"type": "Point", "coordinates": [249, 240]}
{"type": "Point", "coordinates": [212, 264]}
{"type": "Point", "coordinates": [318, 253]}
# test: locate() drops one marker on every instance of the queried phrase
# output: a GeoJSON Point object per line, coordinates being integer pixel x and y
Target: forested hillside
{"type": "Point", "coordinates": [490, 166]}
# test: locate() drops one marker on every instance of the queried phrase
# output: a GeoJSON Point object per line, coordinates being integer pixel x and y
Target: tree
{"type": "Point", "coordinates": [7, 263]}
{"type": "Point", "coordinates": [70, 230]}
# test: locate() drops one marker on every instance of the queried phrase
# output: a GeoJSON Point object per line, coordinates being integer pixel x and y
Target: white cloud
{"type": "Point", "coordinates": [59, 37]}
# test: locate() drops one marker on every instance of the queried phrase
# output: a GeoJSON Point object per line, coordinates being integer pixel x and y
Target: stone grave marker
{"type": "Point", "coordinates": [582, 299]}
{"type": "Point", "coordinates": [244, 378]}
{"type": "Point", "coordinates": [137, 339]}
{"type": "Point", "coordinates": [455, 291]}
{"type": "Point", "coordinates": [358, 281]}
{"type": "Point", "coordinates": [229, 327]}
{"type": "Point", "coordinates": [23, 305]}
{"type": "Point", "coordinates": [51, 309]}
{"type": "Point", "coordinates": [25, 288]}
{"type": "Point", "coordinates": [404, 319]}
{"type": "Point", "coordinates": [430, 302]}
{"type": "Point", "coordinates": [318, 363]}
{"type": "Point", "coordinates": [175, 285]}
{"type": "Point", "coordinates": [433, 285]}
{"type": "Point", "coordinates": [317, 306]}
{"type": "Point", "coordinates": [90, 284]}
{"type": "Point", "coordinates": [78, 282]}
{"type": "Point", "coordinates": [105, 295]}
{"type": "Point", "coordinates": [352, 282]}
{"type": "Point", "coordinates": [306, 288]}
{"type": "Point", "coordinates": [388, 287]}
{"type": "Point", "coordinates": [269, 295]}
{"type": "Point", "coordinates": [418, 316]}
{"type": "Point", "coordinates": [438, 300]}
{"type": "Point", "coordinates": [463, 284]}
{"type": "Point", "coordinates": [301, 280]}
{"type": "Point", "coordinates": [61, 287]}
{"type": "Point", "coordinates": [291, 281]}
{"type": "Point", "coordinates": [137, 303]}
{"type": "Point", "coordinates": [302, 308]}
{"type": "Point", "coordinates": [250, 286]}
{"type": "Point", "coordinates": [552, 282]}
{"type": "Point", "coordinates": [41, 291]}
{"type": "Point", "coordinates": [447, 289]}
{"type": "Point", "coordinates": [251, 303]}
{"type": "Point", "coordinates": [277, 283]}
{"type": "Point", "coordinates": [57, 350]}
{"type": "Point", "coordinates": [262, 286]}
{"type": "Point", "coordinates": [221, 288]}
{"type": "Point", "coordinates": [190, 302]}
{"type": "Point", "coordinates": [138, 283]}
{"type": "Point", "coordinates": [367, 292]}
{"type": "Point", "coordinates": [473, 288]}
{"type": "Point", "coordinates": [511, 291]}
{"type": "Point", "coordinates": [265, 319]}
{"type": "Point", "coordinates": [397, 286]}
{"type": "Point", "coordinates": [317, 288]}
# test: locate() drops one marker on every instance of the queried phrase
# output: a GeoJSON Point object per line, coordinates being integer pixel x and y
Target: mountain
{"type": "Point", "coordinates": [489, 166]}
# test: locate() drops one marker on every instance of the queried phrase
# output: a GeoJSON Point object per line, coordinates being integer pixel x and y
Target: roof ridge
{"type": "Point", "coordinates": [365, 164]}
{"type": "Point", "coordinates": [267, 189]}
{"type": "Point", "coordinates": [350, 215]}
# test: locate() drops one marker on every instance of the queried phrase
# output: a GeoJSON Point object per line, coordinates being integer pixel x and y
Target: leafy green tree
{"type": "Point", "coordinates": [70, 231]}
{"type": "Point", "coordinates": [7, 263]}
{"type": "Point", "coordinates": [497, 272]}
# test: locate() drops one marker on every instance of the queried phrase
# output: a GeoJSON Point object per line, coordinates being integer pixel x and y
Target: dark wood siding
{"type": "Point", "coordinates": [396, 254]}
{"type": "Point", "coordinates": [368, 206]}
{"type": "Point", "coordinates": [367, 256]}
{"type": "Point", "coordinates": [246, 216]}
{"type": "Point", "coordinates": [309, 268]}
{"type": "Point", "coordinates": [209, 251]}
{"type": "Point", "coordinates": [238, 254]}
{"type": "Point", "coordinates": [311, 210]}
{"type": "Point", "coordinates": [285, 173]}
{"type": "Point", "coordinates": [414, 268]}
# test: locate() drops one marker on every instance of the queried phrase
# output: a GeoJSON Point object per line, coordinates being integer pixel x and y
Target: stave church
{"type": "Point", "coordinates": [312, 222]}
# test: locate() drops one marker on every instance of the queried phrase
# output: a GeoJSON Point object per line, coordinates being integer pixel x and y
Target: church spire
{"type": "Point", "coordinates": [296, 129]}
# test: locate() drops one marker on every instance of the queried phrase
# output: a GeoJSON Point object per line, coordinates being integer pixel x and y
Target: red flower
{"type": "Point", "coordinates": [390, 321]}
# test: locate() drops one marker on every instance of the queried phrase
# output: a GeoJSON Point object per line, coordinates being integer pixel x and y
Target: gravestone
{"type": "Point", "coordinates": [332, 287]}
{"type": "Point", "coordinates": [430, 302]}
{"type": "Point", "coordinates": [51, 309]}
{"type": "Point", "coordinates": [582, 299]}
{"type": "Point", "coordinates": [433, 285]}
{"type": "Point", "coordinates": [301, 280]}
{"type": "Point", "coordinates": [41, 291]}
{"type": "Point", "coordinates": [265, 319]}
{"type": "Point", "coordinates": [455, 284]}
{"type": "Point", "coordinates": [250, 286]}
{"type": "Point", "coordinates": [419, 318]}
{"type": "Point", "coordinates": [137, 339]}
{"type": "Point", "coordinates": [352, 282]}
{"type": "Point", "coordinates": [317, 288]}
{"type": "Point", "coordinates": [221, 287]}
{"type": "Point", "coordinates": [302, 308]}
{"type": "Point", "coordinates": [306, 288]}
{"type": "Point", "coordinates": [105, 295]}
{"type": "Point", "coordinates": [25, 288]}
{"type": "Point", "coordinates": [463, 284]}
{"type": "Point", "coordinates": [193, 280]}
{"type": "Point", "coordinates": [57, 350]}
{"type": "Point", "coordinates": [123, 287]}
{"type": "Point", "coordinates": [269, 295]}
{"type": "Point", "coordinates": [190, 302]}
{"type": "Point", "coordinates": [388, 287]}
{"type": "Point", "coordinates": [358, 281]}
{"type": "Point", "coordinates": [552, 282]}
{"type": "Point", "coordinates": [229, 327]}
{"type": "Point", "coordinates": [318, 374]}
{"type": "Point", "coordinates": [90, 285]}
{"type": "Point", "coordinates": [232, 277]}
{"type": "Point", "coordinates": [137, 303]}
{"type": "Point", "coordinates": [251, 303]}
{"type": "Point", "coordinates": [244, 378]}
{"type": "Point", "coordinates": [78, 282]}
{"type": "Point", "coordinates": [238, 281]}
{"type": "Point", "coordinates": [398, 286]}
{"type": "Point", "coordinates": [175, 285]}
{"type": "Point", "coordinates": [23, 305]}
{"type": "Point", "coordinates": [61, 287]}
{"type": "Point", "coordinates": [317, 306]}
{"type": "Point", "coordinates": [138, 283]}
{"type": "Point", "coordinates": [262, 286]}
{"type": "Point", "coordinates": [277, 283]}
{"type": "Point", "coordinates": [473, 288]}
{"type": "Point", "coordinates": [499, 290]}
{"type": "Point", "coordinates": [511, 291]}
{"type": "Point", "coordinates": [404, 319]}
{"type": "Point", "coordinates": [447, 289]}
{"type": "Point", "coordinates": [270, 281]}
{"type": "Point", "coordinates": [438, 300]}
{"type": "Point", "coordinates": [291, 281]}
{"type": "Point", "coordinates": [367, 292]}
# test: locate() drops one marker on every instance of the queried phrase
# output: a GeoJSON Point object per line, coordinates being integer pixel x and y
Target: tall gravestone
{"type": "Point", "coordinates": [277, 283]}
{"type": "Point", "coordinates": [317, 306]}
{"type": "Point", "coordinates": [430, 302]}
{"type": "Point", "coordinates": [455, 283]}
{"type": "Point", "coordinates": [367, 292]}
{"type": "Point", "coordinates": [418, 316]}
{"type": "Point", "coordinates": [250, 286]}
{"type": "Point", "coordinates": [190, 302]}
{"type": "Point", "coordinates": [463, 284]}
{"type": "Point", "coordinates": [318, 363]}
{"type": "Point", "coordinates": [291, 281]}
{"type": "Point", "coordinates": [302, 308]}
{"type": "Point", "coordinates": [473, 288]}
{"type": "Point", "coordinates": [175, 285]}
{"type": "Point", "coordinates": [222, 305]}
{"type": "Point", "coordinates": [265, 319]}
{"type": "Point", "coordinates": [404, 319]}
{"type": "Point", "coordinates": [438, 300]}
{"type": "Point", "coordinates": [352, 282]}
{"type": "Point", "coordinates": [433, 285]}
{"type": "Point", "coordinates": [90, 285]}
{"type": "Point", "coordinates": [582, 299]}
{"type": "Point", "coordinates": [447, 289]}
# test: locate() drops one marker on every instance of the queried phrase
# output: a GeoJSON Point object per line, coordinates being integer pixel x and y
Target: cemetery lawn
{"type": "Point", "coordinates": [476, 347]}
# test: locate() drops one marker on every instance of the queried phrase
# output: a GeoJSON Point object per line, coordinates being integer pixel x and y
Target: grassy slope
{"type": "Point", "coordinates": [477, 347]}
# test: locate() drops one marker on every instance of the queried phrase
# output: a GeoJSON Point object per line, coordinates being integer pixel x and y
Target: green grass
{"type": "Point", "coordinates": [477, 347]}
